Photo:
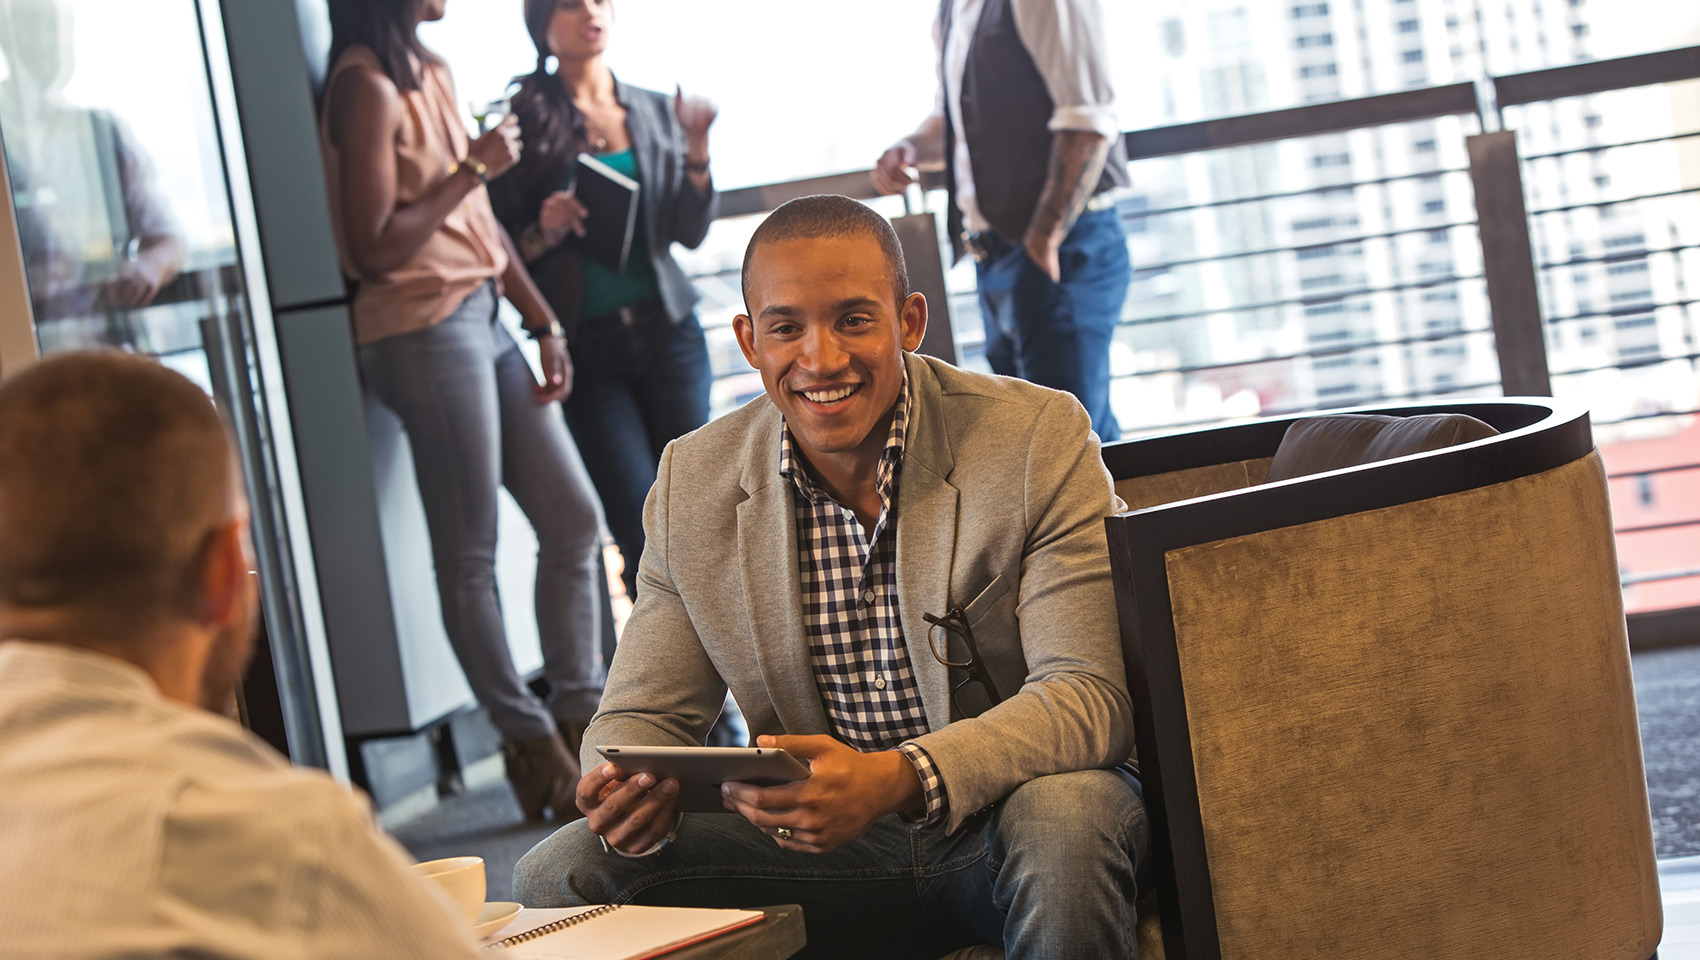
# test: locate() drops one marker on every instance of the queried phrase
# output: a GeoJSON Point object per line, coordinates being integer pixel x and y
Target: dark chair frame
{"type": "Point", "coordinates": [1536, 435]}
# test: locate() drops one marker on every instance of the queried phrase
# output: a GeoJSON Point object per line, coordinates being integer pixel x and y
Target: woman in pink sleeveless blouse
{"type": "Point", "coordinates": [416, 232]}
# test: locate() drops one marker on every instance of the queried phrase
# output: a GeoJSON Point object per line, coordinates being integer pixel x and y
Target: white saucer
{"type": "Point", "coordinates": [495, 915]}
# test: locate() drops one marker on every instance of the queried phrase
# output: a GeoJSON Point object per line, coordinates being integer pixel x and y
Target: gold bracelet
{"type": "Point", "coordinates": [477, 167]}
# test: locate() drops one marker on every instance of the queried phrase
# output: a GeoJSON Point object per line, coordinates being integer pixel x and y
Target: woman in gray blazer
{"type": "Point", "coordinates": [642, 366]}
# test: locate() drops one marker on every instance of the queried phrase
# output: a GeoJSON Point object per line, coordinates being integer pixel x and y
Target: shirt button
{"type": "Point", "coordinates": [868, 595]}
{"type": "Point", "coordinates": [879, 683]}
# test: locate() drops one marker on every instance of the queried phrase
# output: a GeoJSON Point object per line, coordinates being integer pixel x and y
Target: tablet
{"type": "Point", "coordinates": [701, 770]}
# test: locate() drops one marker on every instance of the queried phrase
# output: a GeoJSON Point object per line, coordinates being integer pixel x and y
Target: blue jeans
{"type": "Point", "coordinates": [463, 392]}
{"type": "Point", "coordinates": [1058, 334]}
{"type": "Point", "coordinates": [1048, 872]}
{"type": "Point", "coordinates": [636, 386]}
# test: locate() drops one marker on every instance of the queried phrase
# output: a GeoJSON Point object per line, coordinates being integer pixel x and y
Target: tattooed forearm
{"type": "Point", "coordinates": [1077, 161]}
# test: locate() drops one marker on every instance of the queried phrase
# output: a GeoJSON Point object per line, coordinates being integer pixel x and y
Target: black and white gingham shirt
{"type": "Point", "coordinates": [850, 614]}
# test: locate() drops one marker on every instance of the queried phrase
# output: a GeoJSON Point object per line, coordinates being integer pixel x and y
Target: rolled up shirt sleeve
{"type": "Point", "coordinates": [932, 786]}
{"type": "Point", "coordinates": [1067, 42]}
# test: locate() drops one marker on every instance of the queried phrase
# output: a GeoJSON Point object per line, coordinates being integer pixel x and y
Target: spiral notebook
{"type": "Point", "coordinates": [614, 931]}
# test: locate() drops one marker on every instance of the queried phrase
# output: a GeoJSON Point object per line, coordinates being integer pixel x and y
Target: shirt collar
{"type": "Point", "coordinates": [891, 456]}
{"type": "Point", "coordinates": [39, 664]}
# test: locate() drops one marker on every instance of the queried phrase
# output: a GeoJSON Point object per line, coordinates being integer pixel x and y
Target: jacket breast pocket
{"type": "Point", "coordinates": [985, 600]}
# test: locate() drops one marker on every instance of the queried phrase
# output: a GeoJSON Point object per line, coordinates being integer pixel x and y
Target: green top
{"type": "Point", "coordinates": [605, 290]}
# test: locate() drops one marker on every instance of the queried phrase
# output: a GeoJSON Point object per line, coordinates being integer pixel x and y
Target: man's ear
{"type": "Point", "coordinates": [913, 316]}
{"type": "Point", "coordinates": [223, 577]}
{"type": "Point", "coordinates": [745, 330]}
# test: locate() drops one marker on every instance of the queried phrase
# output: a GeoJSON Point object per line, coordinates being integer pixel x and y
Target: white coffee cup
{"type": "Point", "coordinates": [462, 878]}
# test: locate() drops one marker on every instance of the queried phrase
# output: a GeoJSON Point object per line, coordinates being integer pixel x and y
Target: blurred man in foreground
{"type": "Point", "coordinates": [134, 819]}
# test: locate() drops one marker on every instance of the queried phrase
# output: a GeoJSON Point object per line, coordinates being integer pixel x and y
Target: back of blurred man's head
{"type": "Point", "coordinates": [116, 480]}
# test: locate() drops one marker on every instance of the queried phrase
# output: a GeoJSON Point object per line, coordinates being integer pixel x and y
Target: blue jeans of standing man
{"type": "Point", "coordinates": [640, 381]}
{"type": "Point", "coordinates": [1057, 334]}
{"type": "Point", "coordinates": [1048, 872]}
{"type": "Point", "coordinates": [463, 392]}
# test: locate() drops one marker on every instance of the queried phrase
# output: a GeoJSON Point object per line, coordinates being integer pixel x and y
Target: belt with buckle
{"type": "Point", "coordinates": [987, 245]}
{"type": "Point", "coordinates": [627, 315]}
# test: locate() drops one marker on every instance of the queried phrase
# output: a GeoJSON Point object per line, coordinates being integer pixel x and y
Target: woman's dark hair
{"type": "Point", "coordinates": [387, 27]}
{"type": "Point", "coordinates": [549, 124]}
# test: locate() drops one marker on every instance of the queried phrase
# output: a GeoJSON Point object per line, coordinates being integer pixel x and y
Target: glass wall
{"type": "Point", "coordinates": [116, 176]}
{"type": "Point", "coordinates": [129, 237]}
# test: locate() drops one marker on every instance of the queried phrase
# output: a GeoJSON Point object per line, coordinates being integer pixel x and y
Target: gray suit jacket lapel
{"type": "Point", "coordinates": [647, 144]}
{"type": "Point", "coordinates": [926, 534]}
{"type": "Point", "coordinates": [767, 560]}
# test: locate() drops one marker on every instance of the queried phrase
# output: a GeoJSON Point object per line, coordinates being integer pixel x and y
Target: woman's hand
{"type": "Point", "coordinates": [696, 115]}
{"type": "Point", "coordinates": [557, 370]}
{"type": "Point", "coordinates": [561, 214]}
{"type": "Point", "coordinates": [498, 149]}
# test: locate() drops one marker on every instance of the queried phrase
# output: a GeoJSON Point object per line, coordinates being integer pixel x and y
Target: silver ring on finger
{"type": "Point", "coordinates": [783, 833]}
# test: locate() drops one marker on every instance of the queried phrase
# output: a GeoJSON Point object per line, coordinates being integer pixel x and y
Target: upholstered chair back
{"type": "Point", "coordinates": [1385, 704]}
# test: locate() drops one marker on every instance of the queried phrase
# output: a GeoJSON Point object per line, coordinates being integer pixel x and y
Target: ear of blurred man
{"type": "Point", "coordinates": [227, 612]}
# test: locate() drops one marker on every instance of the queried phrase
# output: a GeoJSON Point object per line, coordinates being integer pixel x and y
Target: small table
{"type": "Point", "coordinates": [776, 938]}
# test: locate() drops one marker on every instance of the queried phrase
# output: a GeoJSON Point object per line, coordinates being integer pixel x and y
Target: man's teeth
{"type": "Point", "coordinates": [829, 396]}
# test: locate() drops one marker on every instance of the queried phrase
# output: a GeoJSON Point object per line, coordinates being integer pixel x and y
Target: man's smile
{"type": "Point", "coordinates": [830, 396]}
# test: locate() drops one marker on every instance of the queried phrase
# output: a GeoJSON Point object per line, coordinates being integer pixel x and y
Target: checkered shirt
{"type": "Point", "coordinates": [850, 615]}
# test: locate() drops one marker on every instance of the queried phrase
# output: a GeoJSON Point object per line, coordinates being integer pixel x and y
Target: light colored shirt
{"type": "Point", "coordinates": [132, 826]}
{"type": "Point", "coordinates": [1068, 45]}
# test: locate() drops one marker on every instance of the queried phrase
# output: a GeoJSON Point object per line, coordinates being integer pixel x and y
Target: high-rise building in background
{"type": "Point", "coordinates": [1358, 277]}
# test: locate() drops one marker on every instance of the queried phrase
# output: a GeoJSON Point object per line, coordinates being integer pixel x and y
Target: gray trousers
{"type": "Point", "coordinates": [463, 392]}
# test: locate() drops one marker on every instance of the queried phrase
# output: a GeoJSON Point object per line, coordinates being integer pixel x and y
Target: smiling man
{"type": "Point", "coordinates": [898, 569]}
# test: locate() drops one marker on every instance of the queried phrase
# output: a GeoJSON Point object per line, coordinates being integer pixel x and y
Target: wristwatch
{"type": "Point", "coordinates": [552, 329]}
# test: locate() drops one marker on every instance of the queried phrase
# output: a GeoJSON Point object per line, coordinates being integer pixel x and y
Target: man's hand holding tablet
{"type": "Point", "coordinates": [631, 801]}
{"type": "Point", "coordinates": [847, 790]}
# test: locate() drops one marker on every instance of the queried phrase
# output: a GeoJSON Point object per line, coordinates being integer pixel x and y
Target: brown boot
{"type": "Point", "coordinates": [572, 734]}
{"type": "Point", "coordinates": [543, 774]}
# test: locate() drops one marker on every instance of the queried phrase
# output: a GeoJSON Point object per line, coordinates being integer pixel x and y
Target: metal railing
{"type": "Point", "coordinates": [1503, 295]}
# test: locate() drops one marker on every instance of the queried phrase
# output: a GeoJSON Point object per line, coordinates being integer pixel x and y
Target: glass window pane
{"type": "Point", "coordinates": [116, 176]}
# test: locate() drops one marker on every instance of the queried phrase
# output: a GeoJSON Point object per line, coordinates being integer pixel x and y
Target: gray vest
{"type": "Point", "coordinates": [1005, 109]}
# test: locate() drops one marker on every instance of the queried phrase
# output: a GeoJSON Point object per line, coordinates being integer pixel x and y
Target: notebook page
{"type": "Point", "coordinates": [628, 933]}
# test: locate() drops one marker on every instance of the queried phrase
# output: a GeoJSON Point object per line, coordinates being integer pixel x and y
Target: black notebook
{"type": "Point", "coordinates": [610, 199]}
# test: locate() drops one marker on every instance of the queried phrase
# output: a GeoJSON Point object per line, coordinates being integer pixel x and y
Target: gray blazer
{"type": "Point", "coordinates": [1000, 507]}
{"type": "Point", "coordinates": [673, 212]}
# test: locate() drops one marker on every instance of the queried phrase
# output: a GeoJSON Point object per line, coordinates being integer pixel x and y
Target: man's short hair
{"type": "Point", "coordinates": [829, 215]}
{"type": "Point", "coordinates": [113, 472]}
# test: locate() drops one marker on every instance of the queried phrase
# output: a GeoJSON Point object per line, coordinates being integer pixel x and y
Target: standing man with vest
{"type": "Point", "coordinates": [1025, 128]}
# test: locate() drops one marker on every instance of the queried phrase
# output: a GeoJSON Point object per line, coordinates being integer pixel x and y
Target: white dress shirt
{"type": "Point", "coordinates": [132, 826]}
{"type": "Point", "coordinates": [1066, 40]}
